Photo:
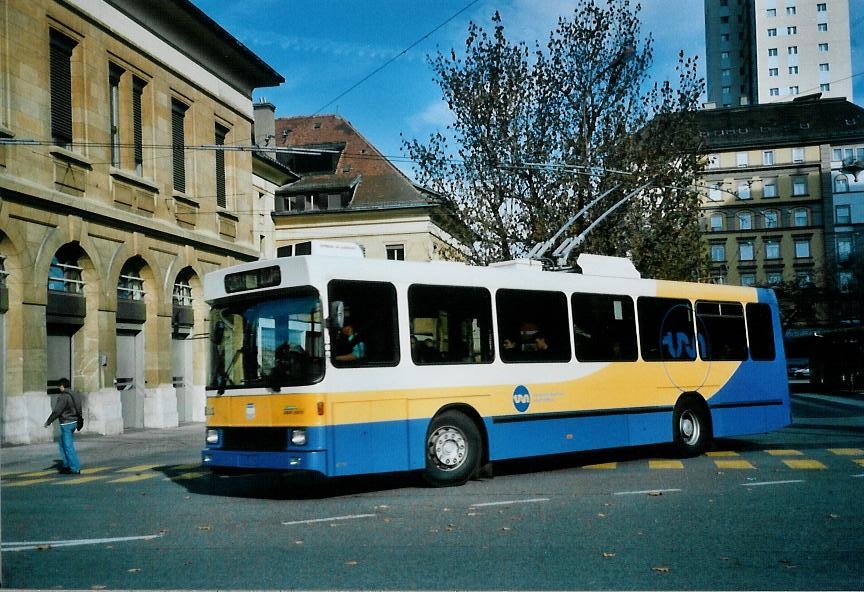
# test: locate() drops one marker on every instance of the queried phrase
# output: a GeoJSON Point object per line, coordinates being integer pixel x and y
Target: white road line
{"type": "Point", "coordinates": [858, 476]}
{"type": "Point", "coordinates": [772, 483]}
{"type": "Point", "coordinates": [30, 545]}
{"type": "Point", "coordinates": [646, 492]}
{"type": "Point", "coordinates": [353, 517]}
{"type": "Point", "coordinates": [508, 503]}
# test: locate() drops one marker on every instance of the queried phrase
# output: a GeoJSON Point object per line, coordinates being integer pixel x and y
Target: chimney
{"type": "Point", "coordinates": [265, 125]}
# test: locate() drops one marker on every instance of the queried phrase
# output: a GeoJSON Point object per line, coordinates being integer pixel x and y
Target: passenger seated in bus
{"type": "Point", "coordinates": [349, 346]}
{"type": "Point", "coordinates": [541, 344]}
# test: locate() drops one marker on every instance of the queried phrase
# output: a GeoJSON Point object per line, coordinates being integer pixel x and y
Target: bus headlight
{"type": "Point", "coordinates": [212, 436]}
{"type": "Point", "coordinates": [298, 437]}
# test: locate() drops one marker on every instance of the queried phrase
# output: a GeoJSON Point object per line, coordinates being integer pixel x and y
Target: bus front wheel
{"type": "Point", "coordinates": [691, 427]}
{"type": "Point", "coordinates": [452, 449]}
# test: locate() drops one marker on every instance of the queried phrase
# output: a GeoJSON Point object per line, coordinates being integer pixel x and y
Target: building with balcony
{"type": "Point", "coordinates": [115, 200]}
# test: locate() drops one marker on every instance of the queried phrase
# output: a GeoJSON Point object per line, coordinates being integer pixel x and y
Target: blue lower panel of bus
{"type": "Point", "coordinates": [540, 434]}
{"type": "Point", "coordinates": [310, 460]}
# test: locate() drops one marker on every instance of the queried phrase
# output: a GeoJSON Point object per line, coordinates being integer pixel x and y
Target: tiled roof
{"type": "Point", "coordinates": [809, 121]}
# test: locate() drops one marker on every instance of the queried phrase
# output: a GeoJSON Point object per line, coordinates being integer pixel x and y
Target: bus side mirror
{"type": "Point", "coordinates": [337, 315]}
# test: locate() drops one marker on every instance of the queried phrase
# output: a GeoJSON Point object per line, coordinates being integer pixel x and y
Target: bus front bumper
{"type": "Point", "coordinates": [308, 460]}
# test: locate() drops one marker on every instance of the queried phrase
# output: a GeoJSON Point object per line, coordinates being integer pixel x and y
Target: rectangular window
{"type": "Point", "coordinates": [773, 72]}
{"type": "Point", "coordinates": [772, 52]}
{"type": "Point", "coordinates": [760, 332]}
{"type": "Point", "coordinates": [114, 74]}
{"type": "Point", "coordinates": [825, 87]}
{"type": "Point", "coordinates": [791, 30]}
{"type": "Point", "coordinates": [221, 132]}
{"type": "Point", "coordinates": [724, 37]}
{"type": "Point", "coordinates": [792, 50]}
{"type": "Point", "coordinates": [793, 90]}
{"type": "Point", "coordinates": [604, 328]}
{"type": "Point", "coordinates": [771, 12]}
{"type": "Point", "coordinates": [800, 218]}
{"type": "Point", "coordinates": [802, 248]}
{"type": "Point", "coordinates": [844, 249]}
{"type": "Point", "coordinates": [714, 192]}
{"type": "Point", "coordinates": [793, 70]}
{"type": "Point", "coordinates": [799, 186]}
{"type": "Point", "coordinates": [666, 329]}
{"type": "Point", "coordinates": [744, 190]}
{"type": "Point", "coordinates": [716, 222]}
{"type": "Point", "coordinates": [772, 249]}
{"type": "Point", "coordinates": [823, 47]}
{"type": "Point", "coordinates": [369, 335]}
{"type": "Point", "coordinates": [859, 154]}
{"type": "Point", "coordinates": [845, 281]}
{"type": "Point", "coordinates": [533, 326]}
{"type": "Point", "coordinates": [61, 88]}
{"type": "Point", "coordinates": [837, 154]}
{"type": "Point", "coordinates": [822, 7]}
{"type": "Point", "coordinates": [769, 188]}
{"type": "Point", "coordinates": [748, 279]}
{"type": "Point", "coordinates": [137, 128]}
{"type": "Point", "coordinates": [790, 10]}
{"type": "Point", "coordinates": [843, 215]}
{"type": "Point", "coordinates": [395, 252]}
{"type": "Point", "coordinates": [824, 67]}
{"type": "Point", "coordinates": [775, 278]}
{"type": "Point", "coordinates": [178, 143]}
{"type": "Point", "coordinates": [450, 325]}
{"type": "Point", "coordinates": [772, 32]}
{"type": "Point", "coordinates": [724, 55]}
{"type": "Point", "coordinates": [741, 159]}
{"type": "Point", "coordinates": [720, 326]}
{"type": "Point", "coordinates": [797, 154]}
{"type": "Point", "coordinates": [774, 92]}
{"type": "Point", "coordinates": [745, 250]}
{"type": "Point", "coordinates": [768, 157]}
{"type": "Point", "coordinates": [718, 253]}
{"type": "Point", "coordinates": [822, 27]}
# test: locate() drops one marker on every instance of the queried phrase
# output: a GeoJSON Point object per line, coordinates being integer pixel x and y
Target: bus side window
{"type": "Point", "coordinates": [760, 330]}
{"type": "Point", "coordinates": [450, 325]}
{"type": "Point", "coordinates": [720, 326]}
{"type": "Point", "coordinates": [604, 328]}
{"type": "Point", "coordinates": [532, 326]}
{"type": "Point", "coordinates": [666, 329]}
{"type": "Point", "coordinates": [370, 309]}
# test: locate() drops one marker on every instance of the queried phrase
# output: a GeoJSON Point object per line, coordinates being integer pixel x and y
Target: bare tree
{"type": "Point", "coordinates": [540, 133]}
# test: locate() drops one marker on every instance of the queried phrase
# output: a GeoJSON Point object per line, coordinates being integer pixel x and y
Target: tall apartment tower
{"type": "Point", "coordinates": [764, 51]}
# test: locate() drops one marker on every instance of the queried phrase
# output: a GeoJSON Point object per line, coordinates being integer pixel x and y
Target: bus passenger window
{"type": "Point", "coordinates": [720, 326]}
{"type": "Point", "coordinates": [604, 328]}
{"type": "Point", "coordinates": [666, 329]}
{"type": "Point", "coordinates": [369, 336]}
{"type": "Point", "coordinates": [760, 329]}
{"type": "Point", "coordinates": [450, 325]}
{"type": "Point", "coordinates": [532, 326]}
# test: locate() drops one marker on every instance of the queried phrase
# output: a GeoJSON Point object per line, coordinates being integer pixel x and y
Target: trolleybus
{"type": "Point", "coordinates": [341, 365]}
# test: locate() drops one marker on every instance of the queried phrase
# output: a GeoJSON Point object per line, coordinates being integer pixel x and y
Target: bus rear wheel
{"type": "Point", "coordinates": [691, 427]}
{"type": "Point", "coordinates": [452, 450]}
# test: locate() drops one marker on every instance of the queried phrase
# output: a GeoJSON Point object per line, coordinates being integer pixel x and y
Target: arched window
{"type": "Point", "coordinates": [771, 218]}
{"type": "Point", "coordinates": [841, 184]}
{"type": "Point", "coordinates": [745, 220]}
{"type": "Point", "coordinates": [130, 286]}
{"type": "Point", "coordinates": [3, 272]}
{"type": "Point", "coordinates": [64, 274]}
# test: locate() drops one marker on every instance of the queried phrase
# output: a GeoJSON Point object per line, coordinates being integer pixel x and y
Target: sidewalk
{"type": "Point", "coordinates": [185, 441]}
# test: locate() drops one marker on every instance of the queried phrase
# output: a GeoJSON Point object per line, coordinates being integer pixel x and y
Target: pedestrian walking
{"type": "Point", "coordinates": [67, 409]}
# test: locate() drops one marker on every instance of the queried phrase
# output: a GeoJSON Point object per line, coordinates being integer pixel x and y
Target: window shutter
{"type": "Point", "coordinates": [221, 133]}
{"type": "Point", "coordinates": [137, 135]}
{"type": "Point", "coordinates": [178, 140]}
{"type": "Point", "coordinates": [61, 88]}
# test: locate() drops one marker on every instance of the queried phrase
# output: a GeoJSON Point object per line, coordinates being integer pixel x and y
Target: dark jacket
{"type": "Point", "coordinates": [67, 407]}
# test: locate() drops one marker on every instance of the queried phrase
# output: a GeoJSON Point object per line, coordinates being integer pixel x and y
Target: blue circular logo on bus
{"type": "Point", "coordinates": [521, 399]}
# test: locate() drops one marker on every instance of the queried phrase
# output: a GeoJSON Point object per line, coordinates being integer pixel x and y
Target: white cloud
{"type": "Point", "coordinates": [436, 116]}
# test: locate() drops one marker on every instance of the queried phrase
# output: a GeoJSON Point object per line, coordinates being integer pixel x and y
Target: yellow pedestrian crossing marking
{"type": "Point", "coordinates": [81, 480]}
{"type": "Point", "coordinates": [137, 469]}
{"type": "Point", "coordinates": [28, 482]}
{"type": "Point", "coordinates": [188, 467]}
{"type": "Point", "coordinates": [733, 464]}
{"type": "Point", "coordinates": [609, 465]}
{"type": "Point", "coordinates": [846, 451]}
{"type": "Point", "coordinates": [133, 478]}
{"type": "Point", "coordinates": [91, 470]}
{"type": "Point", "coordinates": [784, 452]}
{"type": "Point", "coordinates": [720, 453]}
{"type": "Point", "coordinates": [189, 475]}
{"type": "Point", "coordinates": [38, 473]}
{"type": "Point", "coordinates": [665, 464]}
{"type": "Point", "coordinates": [804, 464]}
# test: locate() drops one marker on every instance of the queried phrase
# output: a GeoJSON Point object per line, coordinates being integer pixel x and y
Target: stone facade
{"type": "Point", "coordinates": [102, 250]}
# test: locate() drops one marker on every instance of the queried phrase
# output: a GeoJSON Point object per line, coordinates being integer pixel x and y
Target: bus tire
{"type": "Point", "coordinates": [691, 427]}
{"type": "Point", "coordinates": [452, 449]}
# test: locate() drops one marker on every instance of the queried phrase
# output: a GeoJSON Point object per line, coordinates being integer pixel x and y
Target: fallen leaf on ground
{"type": "Point", "coordinates": [655, 493]}
{"type": "Point", "coordinates": [607, 554]}
{"type": "Point", "coordinates": [350, 563]}
{"type": "Point", "coordinates": [661, 569]}
{"type": "Point", "coordinates": [204, 528]}
{"type": "Point", "coordinates": [134, 570]}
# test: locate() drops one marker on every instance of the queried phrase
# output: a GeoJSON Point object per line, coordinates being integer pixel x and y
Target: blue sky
{"type": "Point", "coordinates": [323, 47]}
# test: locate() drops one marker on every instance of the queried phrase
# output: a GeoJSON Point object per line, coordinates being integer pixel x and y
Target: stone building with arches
{"type": "Point", "coordinates": [115, 201]}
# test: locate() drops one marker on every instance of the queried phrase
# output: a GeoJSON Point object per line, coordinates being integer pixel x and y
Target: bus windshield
{"type": "Point", "coordinates": [270, 341]}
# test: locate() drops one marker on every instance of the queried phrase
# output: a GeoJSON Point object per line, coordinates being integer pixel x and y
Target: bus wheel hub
{"type": "Point", "coordinates": [447, 448]}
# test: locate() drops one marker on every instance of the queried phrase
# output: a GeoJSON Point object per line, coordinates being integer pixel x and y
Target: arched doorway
{"type": "Point", "coordinates": [131, 316]}
{"type": "Point", "coordinates": [65, 313]}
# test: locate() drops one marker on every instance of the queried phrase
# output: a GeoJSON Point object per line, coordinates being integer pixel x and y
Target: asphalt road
{"type": "Point", "coordinates": [777, 511]}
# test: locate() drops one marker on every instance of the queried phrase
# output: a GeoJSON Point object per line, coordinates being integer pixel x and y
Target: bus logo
{"type": "Point", "coordinates": [521, 399]}
{"type": "Point", "coordinates": [250, 411]}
